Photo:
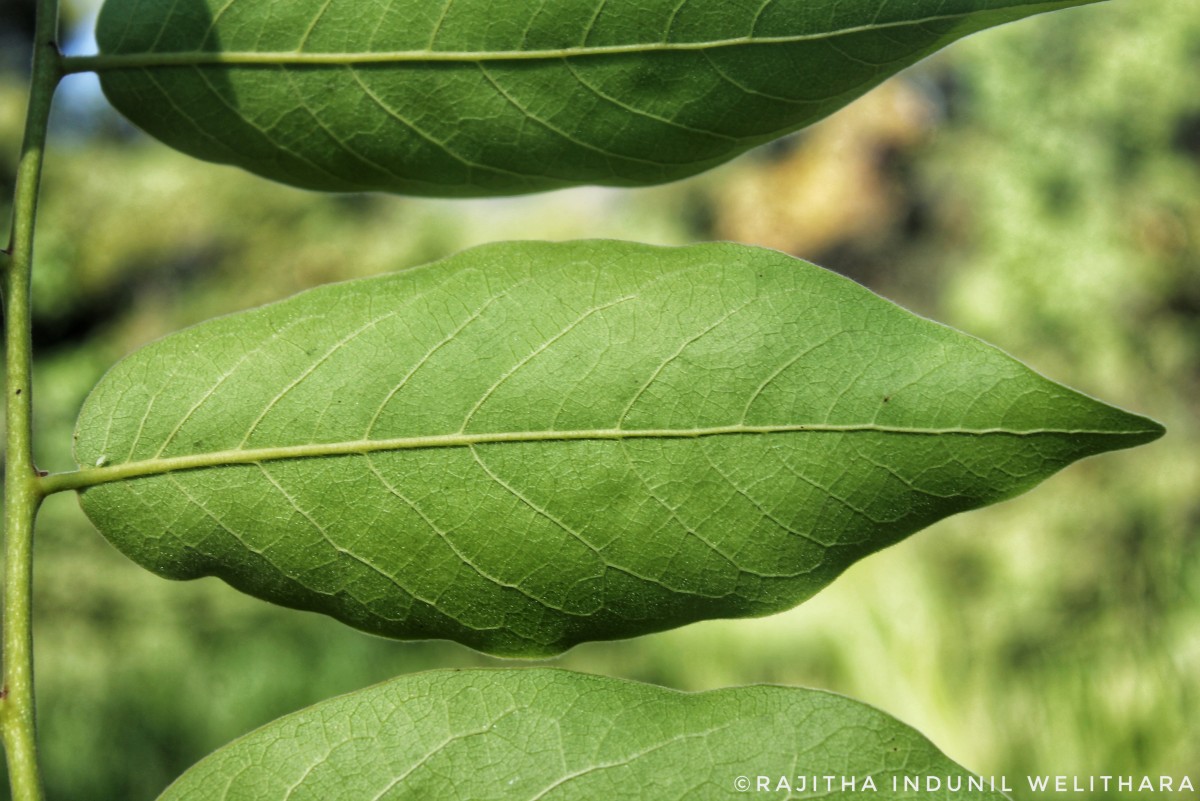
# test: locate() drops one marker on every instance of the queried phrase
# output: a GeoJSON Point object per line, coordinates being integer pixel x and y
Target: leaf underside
{"type": "Point", "coordinates": [487, 97]}
{"type": "Point", "coordinates": [549, 735]}
{"type": "Point", "coordinates": [530, 445]}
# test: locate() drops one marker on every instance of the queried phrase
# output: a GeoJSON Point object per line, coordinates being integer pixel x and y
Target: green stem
{"type": "Point", "coordinates": [22, 492]}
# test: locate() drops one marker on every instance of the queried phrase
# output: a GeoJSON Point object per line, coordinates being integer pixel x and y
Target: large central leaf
{"type": "Point", "coordinates": [531, 445]}
{"type": "Point", "coordinates": [482, 97]}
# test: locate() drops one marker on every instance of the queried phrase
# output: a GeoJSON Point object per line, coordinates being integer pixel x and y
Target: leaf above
{"type": "Point", "coordinates": [493, 97]}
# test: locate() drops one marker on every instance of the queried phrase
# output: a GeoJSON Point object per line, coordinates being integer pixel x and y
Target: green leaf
{"type": "Point", "coordinates": [487, 97]}
{"type": "Point", "coordinates": [530, 445]}
{"type": "Point", "coordinates": [550, 735]}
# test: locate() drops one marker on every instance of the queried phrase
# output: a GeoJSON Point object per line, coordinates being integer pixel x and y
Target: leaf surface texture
{"type": "Point", "coordinates": [486, 97]}
{"type": "Point", "coordinates": [547, 735]}
{"type": "Point", "coordinates": [530, 445]}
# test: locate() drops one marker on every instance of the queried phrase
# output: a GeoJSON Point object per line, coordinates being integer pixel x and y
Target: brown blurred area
{"type": "Point", "coordinates": [836, 188]}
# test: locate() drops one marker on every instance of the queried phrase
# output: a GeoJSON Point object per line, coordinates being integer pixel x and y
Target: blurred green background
{"type": "Point", "coordinates": [1037, 186]}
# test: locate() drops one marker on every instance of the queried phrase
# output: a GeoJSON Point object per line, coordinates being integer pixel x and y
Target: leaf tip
{"type": "Point", "coordinates": [1131, 429]}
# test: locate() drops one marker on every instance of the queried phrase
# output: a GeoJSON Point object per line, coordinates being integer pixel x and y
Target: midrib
{"type": "Point", "coordinates": [93, 476]}
{"type": "Point", "coordinates": [117, 61]}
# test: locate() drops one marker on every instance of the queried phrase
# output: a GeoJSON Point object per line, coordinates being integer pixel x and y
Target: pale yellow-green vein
{"type": "Point", "coordinates": [116, 61]}
{"type": "Point", "coordinates": [105, 474]}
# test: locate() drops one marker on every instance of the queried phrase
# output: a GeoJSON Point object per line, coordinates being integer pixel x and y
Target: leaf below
{"type": "Point", "coordinates": [550, 735]}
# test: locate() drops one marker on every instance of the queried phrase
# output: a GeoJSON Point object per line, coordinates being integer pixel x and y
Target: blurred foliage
{"type": "Point", "coordinates": [1038, 186]}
